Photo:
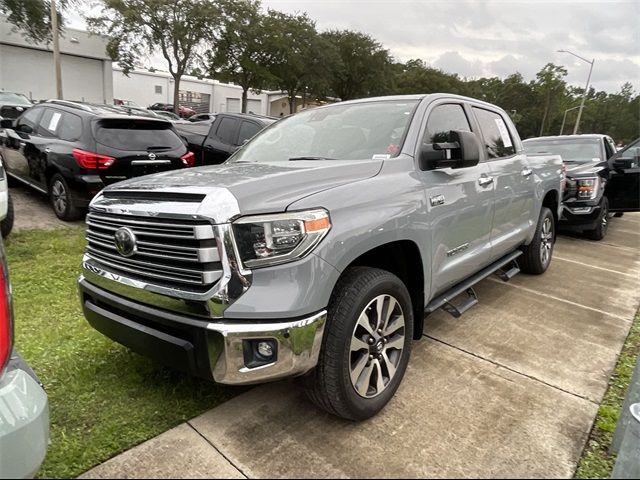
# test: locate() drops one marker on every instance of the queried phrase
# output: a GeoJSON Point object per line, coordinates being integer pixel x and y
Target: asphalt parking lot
{"type": "Point", "coordinates": [511, 389]}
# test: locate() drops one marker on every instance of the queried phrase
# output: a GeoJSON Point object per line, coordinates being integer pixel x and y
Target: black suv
{"type": "Point", "coordinates": [72, 150]}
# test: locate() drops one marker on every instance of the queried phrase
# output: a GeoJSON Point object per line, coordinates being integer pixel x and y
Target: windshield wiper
{"type": "Point", "coordinates": [293, 159]}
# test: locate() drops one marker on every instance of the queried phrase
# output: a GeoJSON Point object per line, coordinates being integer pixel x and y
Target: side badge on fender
{"type": "Point", "coordinates": [437, 200]}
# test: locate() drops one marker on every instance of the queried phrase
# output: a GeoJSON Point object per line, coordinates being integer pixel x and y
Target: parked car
{"type": "Point", "coordinates": [70, 151]}
{"type": "Point", "coordinates": [24, 416]}
{"type": "Point", "coordinates": [593, 189]}
{"type": "Point", "coordinates": [317, 249]}
{"type": "Point", "coordinates": [213, 142]}
{"type": "Point", "coordinates": [13, 104]}
{"type": "Point", "coordinates": [183, 111]}
{"type": "Point", "coordinates": [202, 117]}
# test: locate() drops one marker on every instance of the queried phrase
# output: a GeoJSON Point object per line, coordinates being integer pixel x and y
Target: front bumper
{"type": "Point", "coordinates": [580, 216]}
{"type": "Point", "coordinates": [214, 350]}
{"type": "Point", "coordinates": [24, 421]}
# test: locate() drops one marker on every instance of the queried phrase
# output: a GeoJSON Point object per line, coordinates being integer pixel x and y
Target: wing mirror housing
{"type": "Point", "coordinates": [462, 150]}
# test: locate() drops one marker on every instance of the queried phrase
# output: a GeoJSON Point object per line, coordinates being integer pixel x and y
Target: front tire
{"type": "Point", "coordinates": [366, 344]}
{"type": "Point", "coordinates": [536, 257]}
{"type": "Point", "coordinates": [600, 231]}
{"type": "Point", "coordinates": [62, 199]}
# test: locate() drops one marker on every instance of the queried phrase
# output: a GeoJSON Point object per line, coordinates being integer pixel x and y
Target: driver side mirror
{"type": "Point", "coordinates": [24, 129]}
{"type": "Point", "coordinates": [6, 123]}
{"type": "Point", "coordinates": [625, 163]}
{"type": "Point", "coordinates": [462, 150]}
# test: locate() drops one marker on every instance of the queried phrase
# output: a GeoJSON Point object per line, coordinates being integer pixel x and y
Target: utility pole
{"type": "Point", "coordinates": [56, 49]}
{"type": "Point", "coordinates": [586, 89]}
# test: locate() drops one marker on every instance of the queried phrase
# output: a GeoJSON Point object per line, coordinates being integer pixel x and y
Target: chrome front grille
{"type": "Point", "coordinates": [174, 253]}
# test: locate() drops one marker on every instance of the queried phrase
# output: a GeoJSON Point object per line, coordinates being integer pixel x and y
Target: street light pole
{"type": "Point", "coordinates": [565, 117]}
{"type": "Point", "coordinates": [586, 88]}
{"type": "Point", "coordinates": [56, 49]}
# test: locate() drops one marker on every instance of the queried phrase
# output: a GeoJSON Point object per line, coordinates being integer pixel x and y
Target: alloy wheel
{"type": "Point", "coordinates": [59, 197]}
{"type": "Point", "coordinates": [377, 346]}
{"type": "Point", "coordinates": [546, 244]}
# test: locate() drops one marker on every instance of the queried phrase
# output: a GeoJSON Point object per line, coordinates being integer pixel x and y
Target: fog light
{"type": "Point", "coordinates": [265, 349]}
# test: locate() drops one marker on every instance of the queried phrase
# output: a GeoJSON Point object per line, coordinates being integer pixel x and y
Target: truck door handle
{"type": "Point", "coordinates": [526, 172]}
{"type": "Point", "coordinates": [484, 181]}
{"type": "Point", "coordinates": [47, 150]}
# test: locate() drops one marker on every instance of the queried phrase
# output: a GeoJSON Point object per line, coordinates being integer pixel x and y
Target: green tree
{"type": "Point", "coordinates": [241, 53]}
{"type": "Point", "coordinates": [415, 77]}
{"type": "Point", "coordinates": [33, 17]}
{"type": "Point", "coordinates": [551, 86]}
{"type": "Point", "coordinates": [297, 61]}
{"type": "Point", "coordinates": [362, 66]}
{"type": "Point", "coordinates": [177, 28]}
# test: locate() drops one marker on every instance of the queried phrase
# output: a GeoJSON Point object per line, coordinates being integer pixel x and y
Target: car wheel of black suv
{"type": "Point", "coordinates": [366, 344]}
{"type": "Point", "coordinates": [62, 199]}
{"type": "Point", "coordinates": [536, 256]}
{"type": "Point", "coordinates": [600, 231]}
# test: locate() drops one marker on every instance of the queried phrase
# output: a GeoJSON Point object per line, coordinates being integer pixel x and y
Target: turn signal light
{"type": "Point", "coordinates": [6, 329]}
{"type": "Point", "coordinates": [189, 159]}
{"type": "Point", "coordinates": [92, 160]}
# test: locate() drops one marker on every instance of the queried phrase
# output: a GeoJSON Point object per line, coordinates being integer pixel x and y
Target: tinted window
{"type": "Point", "coordinates": [442, 120]}
{"type": "Point", "coordinates": [247, 130]}
{"type": "Point", "coordinates": [30, 118]}
{"type": "Point", "coordinates": [70, 128]}
{"type": "Point", "coordinates": [498, 141]}
{"type": "Point", "coordinates": [49, 122]}
{"type": "Point", "coordinates": [226, 130]}
{"type": "Point", "coordinates": [572, 149]}
{"type": "Point", "coordinates": [137, 135]}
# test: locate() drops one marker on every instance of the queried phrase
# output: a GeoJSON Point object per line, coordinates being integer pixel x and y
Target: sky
{"type": "Point", "coordinates": [490, 38]}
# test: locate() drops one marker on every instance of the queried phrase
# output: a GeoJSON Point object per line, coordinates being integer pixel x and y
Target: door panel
{"type": "Point", "coordinates": [461, 226]}
{"type": "Point", "coordinates": [220, 144]}
{"type": "Point", "coordinates": [623, 187]}
{"type": "Point", "coordinates": [20, 144]}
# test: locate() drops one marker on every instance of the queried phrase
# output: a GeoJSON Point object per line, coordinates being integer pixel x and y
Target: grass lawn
{"type": "Point", "coordinates": [596, 462]}
{"type": "Point", "coordinates": [103, 399]}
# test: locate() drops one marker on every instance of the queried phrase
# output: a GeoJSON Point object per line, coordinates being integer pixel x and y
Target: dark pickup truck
{"type": "Point", "coordinates": [214, 142]}
{"type": "Point", "coordinates": [600, 182]}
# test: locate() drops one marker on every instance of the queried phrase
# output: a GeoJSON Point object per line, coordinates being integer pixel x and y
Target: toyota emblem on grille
{"type": "Point", "coordinates": [152, 156]}
{"type": "Point", "coordinates": [125, 242]}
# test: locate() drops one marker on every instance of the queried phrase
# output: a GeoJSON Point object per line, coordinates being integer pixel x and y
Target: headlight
{"type": "Point", "coordinates": [588, 188]}
{"type": "Point", "coordinates": [264, 240]}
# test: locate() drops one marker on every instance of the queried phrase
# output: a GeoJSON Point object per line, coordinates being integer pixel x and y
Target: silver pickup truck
{"type": "Point", "coordinates": [318, 248]}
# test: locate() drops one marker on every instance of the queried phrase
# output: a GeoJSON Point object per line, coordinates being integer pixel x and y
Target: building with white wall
{"type": "Point", "coordinates": [28, 68]}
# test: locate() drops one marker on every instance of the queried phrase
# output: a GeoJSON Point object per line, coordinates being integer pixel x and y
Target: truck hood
{"type": "Point", "coordinates": [588, 169]}
{"type": "Point", "coordinates": [257, 187]}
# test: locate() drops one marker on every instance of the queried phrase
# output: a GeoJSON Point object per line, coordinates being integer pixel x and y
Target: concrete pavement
{"type": "Point", "coordinates": [511, 389]}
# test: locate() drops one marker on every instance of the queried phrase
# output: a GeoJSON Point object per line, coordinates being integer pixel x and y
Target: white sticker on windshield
{"type": "Point", "coordinates": [504, 133]}
{"type": "Point", "coordinates": [53, 123]}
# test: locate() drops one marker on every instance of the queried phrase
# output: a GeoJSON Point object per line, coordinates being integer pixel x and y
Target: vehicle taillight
{"type": "Point", "coordinates": [6, 329]}
{"type": "Point", "coordinates": [189, 159]}
{"type": "Point", "coordinates": [92, 160]}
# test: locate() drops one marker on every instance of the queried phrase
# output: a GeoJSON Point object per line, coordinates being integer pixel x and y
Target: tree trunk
{"type": "Point", "coordinates": [244, 99]}
{"type": "Point", "coordinates": [292, 103]}
{"type": "Point", "coordinates": [176, 93]}
{"type": "Point", "coordinates": [546, 112]}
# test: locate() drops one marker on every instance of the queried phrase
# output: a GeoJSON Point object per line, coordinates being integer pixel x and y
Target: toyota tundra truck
{"type": "Point", "coordinates": [319, 247]}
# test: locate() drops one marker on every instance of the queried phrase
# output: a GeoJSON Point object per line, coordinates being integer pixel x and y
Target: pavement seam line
{"type": "Point", "coordinates": [564, 300]}
{"type": "Point", "coordinates": [556, 257]}
{"type": "Point", "coordinates": [497, 364]}
{"type": "Point", "coordinates": [218, 450]}
{"type": "Point", "coordinates": [606, 244]}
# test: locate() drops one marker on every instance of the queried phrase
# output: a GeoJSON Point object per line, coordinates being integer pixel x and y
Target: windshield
{"type": "Point", "coordinates": [15, 99]}
{"type": "Point", "coordinates": [354, 131]}
{"type": "Point", "coordinates": [580, 150]}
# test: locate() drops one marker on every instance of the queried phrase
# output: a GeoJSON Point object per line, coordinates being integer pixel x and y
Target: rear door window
{"type": "Point", "coordinates": [136, 135]}
{"type": "Point", "coordinates": [247, 131]}
{"type": "Point", "coordinates": [226, 130]}
{"type": "Point", "coordinates": [498, 141]}
{"type": "Point", "coordinates": [70, 128]}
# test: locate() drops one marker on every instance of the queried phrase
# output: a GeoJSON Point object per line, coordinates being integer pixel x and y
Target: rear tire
{"type": "Point", "coordinates": [62, 199]}
{"type": "Point", "coordinates": [600, 231]}
{"type": "Point", "coordinates": [366, 344]}
{"type": "Point", "coordinates": [536, 256]}
{"type": "Point", "coordinates": [618, 214]}
{"type": "Point", "coordinates": [6, 225]}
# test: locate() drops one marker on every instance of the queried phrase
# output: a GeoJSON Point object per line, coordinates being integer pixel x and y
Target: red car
{"type": "Point", "coordinates": [183, 111]}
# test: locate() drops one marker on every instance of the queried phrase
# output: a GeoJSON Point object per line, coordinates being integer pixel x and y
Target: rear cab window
{"type": "Point", "coordinates": [247, 131]}
{"type": "Point", "coordinates": [136, 135]}
{"type": "Point", "coordinates": [497, 137]}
